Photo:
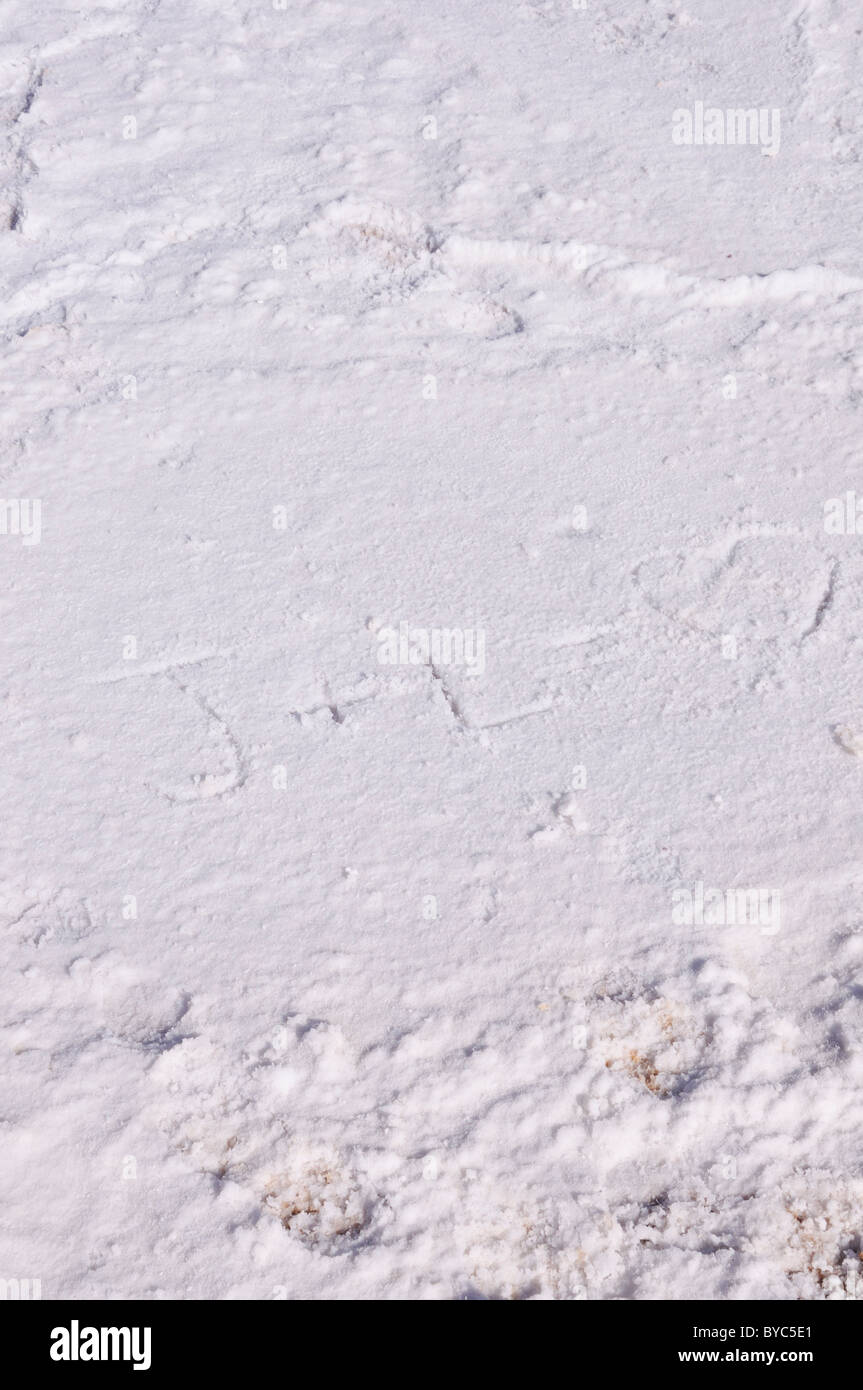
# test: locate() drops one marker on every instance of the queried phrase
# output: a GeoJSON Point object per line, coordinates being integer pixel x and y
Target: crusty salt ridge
{"type": "Point", "coordinates": [328, 978]}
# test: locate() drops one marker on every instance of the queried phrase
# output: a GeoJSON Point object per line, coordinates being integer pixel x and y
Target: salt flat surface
{"type": "Point", "coordinates": [328, 976]}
